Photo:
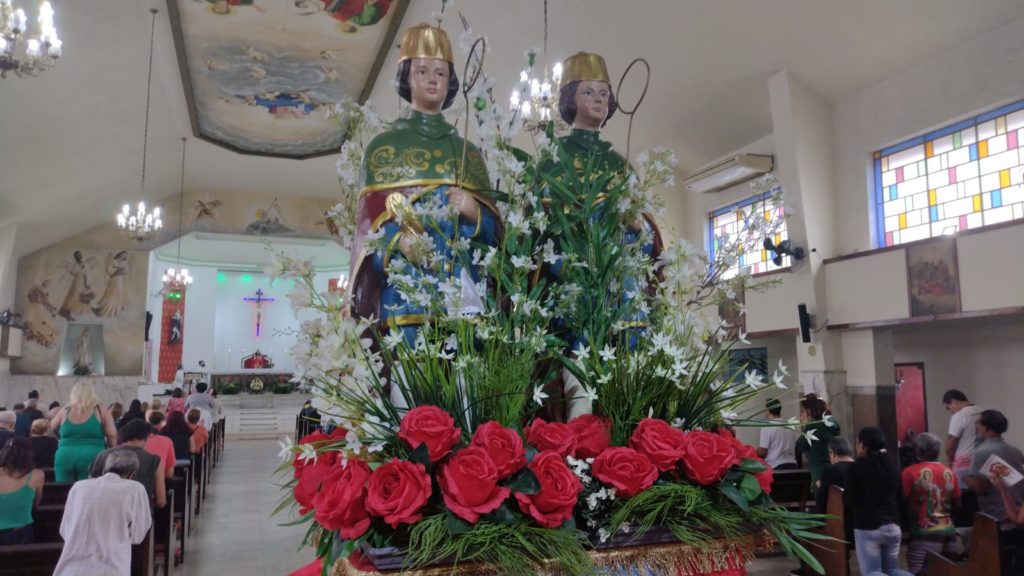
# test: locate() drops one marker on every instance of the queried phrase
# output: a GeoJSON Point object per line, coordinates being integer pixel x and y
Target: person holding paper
{"type": "Point", "coordinates": [990, 428]}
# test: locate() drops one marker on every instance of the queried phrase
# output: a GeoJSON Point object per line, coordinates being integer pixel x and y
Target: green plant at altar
{"type": "Point", "coordinates": [469, 472]}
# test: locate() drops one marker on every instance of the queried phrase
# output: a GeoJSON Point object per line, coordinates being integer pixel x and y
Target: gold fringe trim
{"type": "Point", "coordinates": [676, 559]}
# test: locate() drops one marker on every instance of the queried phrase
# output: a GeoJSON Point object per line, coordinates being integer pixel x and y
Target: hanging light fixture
{"type": "Point", "coordinates": [25, 56]}
{"type": "Point", "coordinates": [536, 96]}
{"type": "Point", "coordinates": [176, 280]}
{"type": "Point", "coordinates": [140, 225]}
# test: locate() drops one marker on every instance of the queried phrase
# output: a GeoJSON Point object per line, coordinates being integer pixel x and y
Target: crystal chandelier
{"type": "Point", "coordinates": [26, 56]}
{"type": "Point", "coordinates": [177, 280]}
{"type": "Point", "coordinates": [536, 96]}
{"type": "Point", "coordinates": [140, 225]}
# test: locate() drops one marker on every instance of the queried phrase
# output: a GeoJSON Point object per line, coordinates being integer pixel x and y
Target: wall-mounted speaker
{"type": "Point", "coordinates": [805, 322]}
{"type": "Point", "coordinates": [149, 322]}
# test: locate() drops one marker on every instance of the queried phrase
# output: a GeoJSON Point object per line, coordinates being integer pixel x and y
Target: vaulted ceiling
{"type": "Point", "coordinates": [71, 140]}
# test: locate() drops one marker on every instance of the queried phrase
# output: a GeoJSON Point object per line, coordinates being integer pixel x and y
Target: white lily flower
{"type": "Point", "coordinates": [607, 353]}
{"type": "Point", "coordinates": [307, 453]}
{"type": "Point", "coordinates": [583, 352]}
{"type": "Point", "coordinates": [828, 420]}
{"type": "Point", "coordinates": [753, 379]}
{"type": "Point", "coordinates": [777, 380]}
{"type": "Point", "coordinates": [589, 394]}
{"type": "Point", "coordinates": [783, 369]}
{"type": "Point", "coordinates": [810, 435]}
{"type": "Point", "coordinates": [539, 395]}
{"type": "Point", "coordinates": [286, 448]}
{"type": "Point", "coordinates": [742, 337]}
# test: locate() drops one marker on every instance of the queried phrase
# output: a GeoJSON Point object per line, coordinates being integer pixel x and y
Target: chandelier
{"type": "Point", "coordinates": [26, 56]}
{"type": "Point", "coordinates": [177, 279]}
{"type": "Point", "coordinates": [536, 95]}
{"type": "Point", "coordinates": [140, 225]}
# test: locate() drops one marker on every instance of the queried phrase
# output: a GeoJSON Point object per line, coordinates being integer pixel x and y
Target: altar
{"type": "Point", "coordinates": [242, 380]}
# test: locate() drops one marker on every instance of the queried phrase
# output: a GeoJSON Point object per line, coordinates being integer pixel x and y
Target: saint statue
{"type": "Point", "coordinates": [175, 335]}
{"type": "Point", "coordinates": [422, 199]}
{"type": "Point", "coordinates": [586, 102]}
{"type": "Point", "coordinates": [83, 355]}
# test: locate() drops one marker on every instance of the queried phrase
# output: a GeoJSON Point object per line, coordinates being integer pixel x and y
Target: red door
{"type": "Point", "coordinates": [910, 404]}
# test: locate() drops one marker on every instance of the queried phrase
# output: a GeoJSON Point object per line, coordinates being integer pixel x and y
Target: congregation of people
{"type": "Point", "coordinates": [915, 498]}
{"type": "Point", "coordinates": [118, 462]}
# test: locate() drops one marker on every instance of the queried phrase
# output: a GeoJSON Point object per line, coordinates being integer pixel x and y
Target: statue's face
{"type": "Point", "coordinates": [592, 98]}
{"type": "Point", "coordinates": [428, 84]}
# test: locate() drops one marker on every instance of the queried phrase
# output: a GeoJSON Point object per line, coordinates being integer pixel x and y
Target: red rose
{"type": "Point", "coordinates": [663, 444]}
{"type": "Point", "coordinates": [397, 492]}
{"type": "Point", "coordinates": [469, 483]}
{"type": "Point", "coordinates": [503, 445]}
{"type": "Point", "coordinates": [431, 426]}
{"type": "Point", "coordinates": [318, 439]}
{"type": "Point", "coordinates": [341, 503]}
{"type": "Point", "coordinates": [553, 436]}
{"type": "Point", "coordinates": [311, 476]}
{"type": "Point", "coordinates": [552, 505]}
{"type": "Point", "coordinates": [626, 470]}
{"type": "Point", "coordinates": [708, 457]}
{"type": "Point", "coordinates": [593, 435]}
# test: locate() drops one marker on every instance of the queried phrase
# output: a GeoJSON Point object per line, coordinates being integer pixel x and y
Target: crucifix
{"type": "Point", "coordinates": [259, 299]}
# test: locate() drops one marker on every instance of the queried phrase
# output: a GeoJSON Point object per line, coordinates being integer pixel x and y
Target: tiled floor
{"type": "Point", "coordinates": [235, 534]}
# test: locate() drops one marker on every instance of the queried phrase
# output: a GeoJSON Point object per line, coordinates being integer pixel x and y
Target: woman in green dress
{"type": "Point", "coordinates": [822, 428]}
{"type": "Point", "coordinates": [81, 426]}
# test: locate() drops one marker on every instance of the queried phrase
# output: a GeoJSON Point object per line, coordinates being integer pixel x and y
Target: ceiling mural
{"type": "Point", "coordinates": [260, 75]}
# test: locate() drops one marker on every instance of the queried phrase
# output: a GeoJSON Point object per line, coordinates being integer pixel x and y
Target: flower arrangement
{"type": "Point", "coordinates": [256, 385]}
{"type": "Point", "coordinates": [468, 467]}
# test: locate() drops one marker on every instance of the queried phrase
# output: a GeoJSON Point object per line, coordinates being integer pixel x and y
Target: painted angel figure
{"type": "Point", "coordinates": [40, 318]}
{"type": "Point", "coordinates": [112, 302]}
{"type": "Point", "coordinates": [79, 295]}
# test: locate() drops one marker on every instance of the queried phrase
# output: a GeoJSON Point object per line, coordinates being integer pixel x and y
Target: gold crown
{"type": "Point", "coordinates": [584, 66]}
{"type": "Point", "coordinates": [425, 41]}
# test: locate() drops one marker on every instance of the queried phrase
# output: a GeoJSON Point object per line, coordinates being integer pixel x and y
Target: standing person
{"type": "Point", "coordinates": [21, 488]}
{"type": "Point", "coordinates": [873, 494]}
{"type": "Point", "coordinates": [132, 437]}
{"type": "Point", "coordinates": [175, 403]}
{"type": "Point", "coordinates": [44, 446]}
{"type": "Point", "coordinates": [840, 454]}
{"type": "Point", "coordinates": [7, 421]}
{"type": "Point", "coordinates": [962, 440]}
{"type": "Point", "coordinates": [82, 427]}
{"type": "Point", "coordinates": [53, 409]}
{"type": "Point", "coordinates": [817, 433]}
{"type": "Point", "coordinates": [932, 490]}
{"type": "Point", "coordinates": [103, 517]}
{"type": "Point", "coordinates": [991, 426]}
{"type": "Point", "coordinates": [778, 443]}
{"type": "Point", "coordinates": [201, 398]}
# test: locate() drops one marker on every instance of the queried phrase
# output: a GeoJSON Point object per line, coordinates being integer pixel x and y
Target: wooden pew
{"type": "Point", "coordinates": [56, 493]}
{"type": "Point", "coordinates": [163, 533]}
{"type": "Point", "coordinates": [792, 488]}
{"type": "Point", "coordinates": [49, 475]}
{"type": "Point", "coordinates": [984, 557]}
{"type": "Point", "coordinates": [833, 554]}
{"type": "Point", "coordinates": [38, 559]}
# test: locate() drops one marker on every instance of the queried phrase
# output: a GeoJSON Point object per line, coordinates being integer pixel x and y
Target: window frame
{"type": "Point", "coordinates": [747, 201]}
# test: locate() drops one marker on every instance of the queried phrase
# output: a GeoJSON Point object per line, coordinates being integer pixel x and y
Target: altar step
{"type": "Point", "coordinates": [252, 416]}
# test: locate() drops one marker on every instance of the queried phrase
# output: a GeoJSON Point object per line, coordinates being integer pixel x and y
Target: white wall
{"type": "Point", "coordinates": [979, 75]}
{"type": "Point", "coordinates": [982, 358]}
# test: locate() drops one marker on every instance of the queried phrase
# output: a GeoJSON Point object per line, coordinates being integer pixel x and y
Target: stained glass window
{"type": "Point", "coordinates": [964, 176]}
{"type": "Point", "coordinates": [730, 222]}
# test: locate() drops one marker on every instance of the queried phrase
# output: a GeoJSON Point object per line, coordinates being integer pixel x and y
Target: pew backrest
{"type": "Point", "coordinates": [984, 558]}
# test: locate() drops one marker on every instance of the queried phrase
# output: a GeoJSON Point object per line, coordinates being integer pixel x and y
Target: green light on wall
{"type": "Point", "coordinates": [245, 278]}
{"type": "Point", "coordinates": [222, 277]}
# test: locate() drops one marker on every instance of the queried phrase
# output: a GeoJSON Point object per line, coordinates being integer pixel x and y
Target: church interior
{"type": "Point", "coordinates": [150, 174]}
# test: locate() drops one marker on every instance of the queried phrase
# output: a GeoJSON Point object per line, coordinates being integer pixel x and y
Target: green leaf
{"type": "Point", "coordinates": [750, 488]}
{"type": "Point", "coordinates": [503, 515]}
{"type": "Point", "coordinates": [523, 482]}
{"type": "Point", "coordinates": [735, 495]}
{"type": "Point", "coordinates": [299, 520]}
{"type": "Point", "coordinates": [455, 524]}
{"type": "Point", "coordinates": [752, 466]}
{"type": "Point", "coordinates": [569, 524]}
{"type": "Point", "coordinates": [421, 455]}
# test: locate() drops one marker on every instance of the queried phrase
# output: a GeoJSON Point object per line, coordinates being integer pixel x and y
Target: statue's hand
{"type": "Point", "coordinates": [468, 207]}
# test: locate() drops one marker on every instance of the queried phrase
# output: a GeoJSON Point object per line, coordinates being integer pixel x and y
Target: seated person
{"type": "Point", "coordinates": [22, 421]}
{"type": "Point", "coordinates": [159, 444]}
{"type": "Point", "coordinates": [931, 490]}
{"type": "Point", "coordinates": [201, 398]}
{"type": "Point", "coordinates": [178, 430]}
{"type": "Point", "coordinates": [44, 446]}
{"type": "Point", "coordinates": [135, 412]}
{"type": "Point", "coordinates": [199, 434]}
{"type": "Point", "coordinates": [155, 406]}
{"type": "Point", "coordinates": [840, 454]}
{"type": "Point", "coordinates": [116, 412]}
{"type": "Point", "coordinates": [20, 491]}
{"type": "Point", "coordinates": [103, 518]}
{"type": "Point", "coordinates": [7, 421]}
{"type": "Point", "coordinates": [132, 437]}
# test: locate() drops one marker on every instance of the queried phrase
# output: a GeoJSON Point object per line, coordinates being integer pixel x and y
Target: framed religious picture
{"type": "Point", "coordinates": [933, 278]}
{"type": "Point", "coordinates": [193, 378]}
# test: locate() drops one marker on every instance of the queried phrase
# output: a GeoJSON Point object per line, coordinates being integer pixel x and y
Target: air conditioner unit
{"type": "Point", "coordinates": [729, 172]}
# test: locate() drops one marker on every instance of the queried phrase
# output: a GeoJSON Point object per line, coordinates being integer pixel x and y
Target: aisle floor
{"type": "Point", "coordinates": [235, 533]}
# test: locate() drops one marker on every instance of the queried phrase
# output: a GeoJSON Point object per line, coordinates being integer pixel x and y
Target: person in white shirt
{"type": "Point", "coordinates": [962, 440]}
{"type": "Point", "coordinates": [103, 518]}
{"type": "Point", "coordinates": [778, 443]}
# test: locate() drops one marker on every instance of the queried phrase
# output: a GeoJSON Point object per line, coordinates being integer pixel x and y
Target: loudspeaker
{"type": "Point", "coordinates": [149, 322]}
{"type": "Point", "coordinates": [805, 322]}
